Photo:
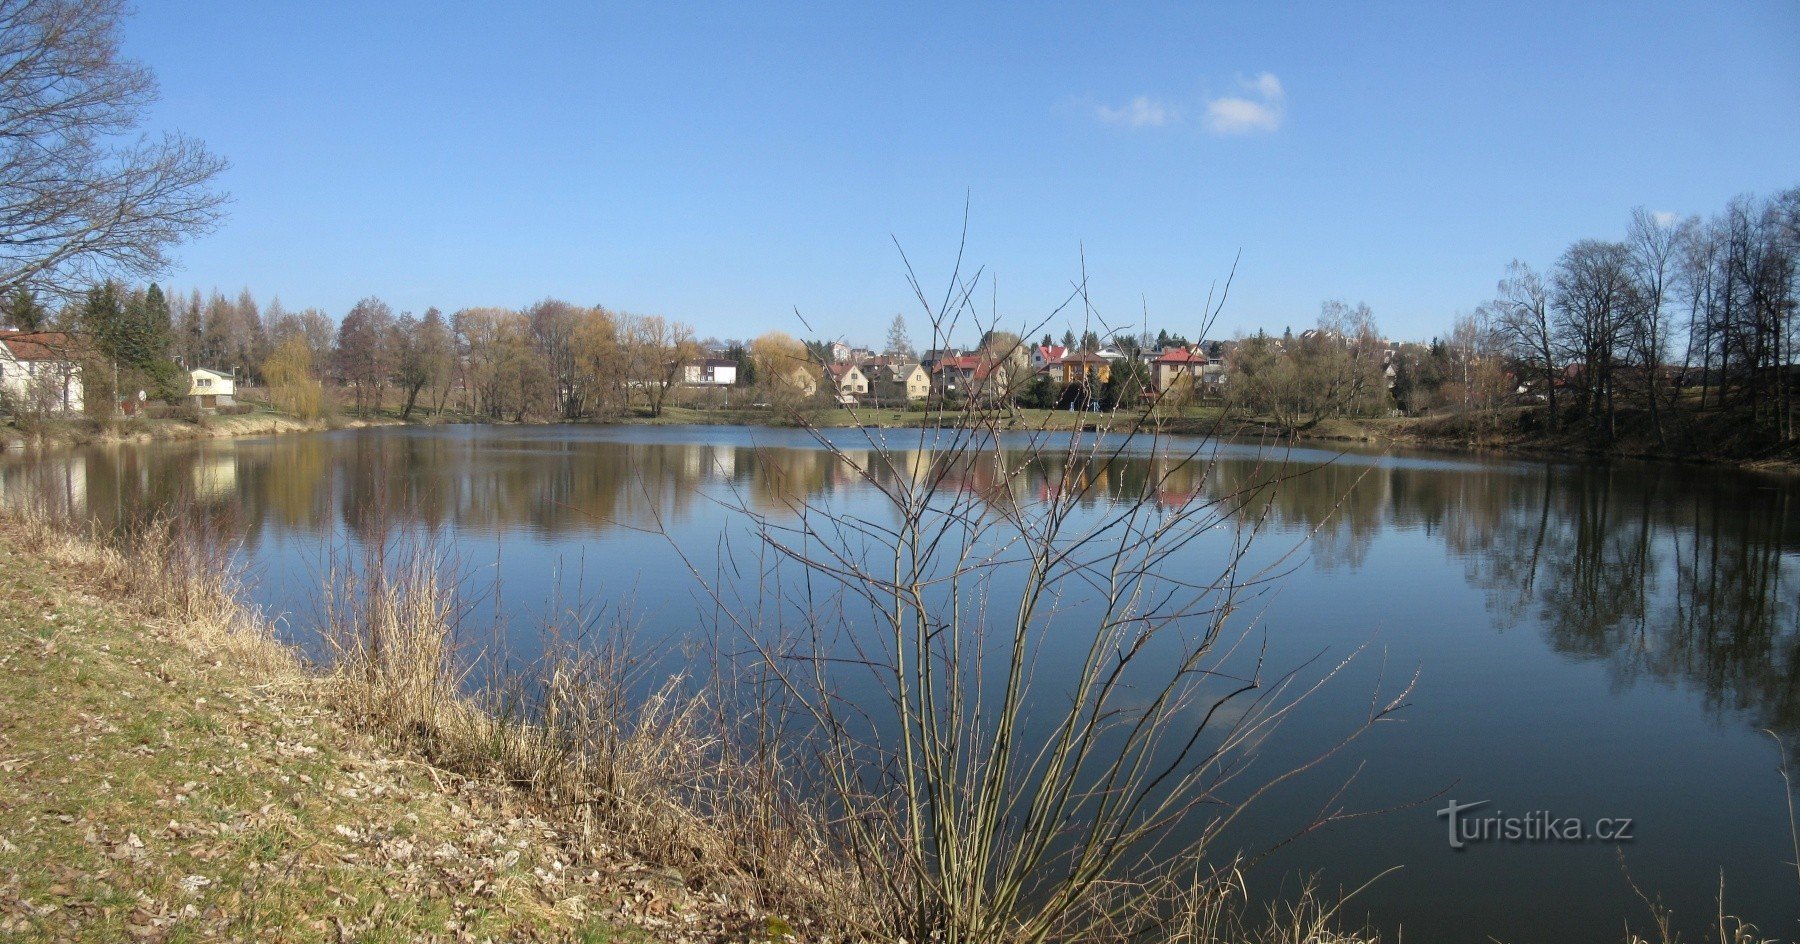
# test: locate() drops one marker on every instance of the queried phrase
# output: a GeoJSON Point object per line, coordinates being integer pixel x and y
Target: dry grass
{"type": "Point", "coordinates": [172, 572]}
{"type": "Point", "coordinates": [654, 777]}
{"type": "Point", "coordinates": [167, 772]}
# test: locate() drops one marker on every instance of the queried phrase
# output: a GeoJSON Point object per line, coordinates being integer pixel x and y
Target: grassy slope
{"type": "Point", "coordinates": [150, 792]}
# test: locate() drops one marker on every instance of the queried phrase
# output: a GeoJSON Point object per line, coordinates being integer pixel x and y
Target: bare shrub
{"type": "Point", "coordinates": [987, 795]}
{"type": "Point", "coordinates": [653, 775]}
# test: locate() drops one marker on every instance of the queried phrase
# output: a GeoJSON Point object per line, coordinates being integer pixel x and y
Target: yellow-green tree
{"type": "Point", "coordinates": [293, 387]}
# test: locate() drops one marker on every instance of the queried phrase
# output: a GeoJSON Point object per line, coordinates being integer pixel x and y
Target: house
{"type": "Point", "coordinates": [40, 369]}
{"type": "Point", "coordinates": [848, 381]}
{"type": "Point", "coordinates": [898, 381]}
{"type": "Point", "coordinates": [935, 355]}
{"type": "Point", "coordinates": [802, 380]}
{"type": "Point", "coordinates": [1086, 367]}
{"type": "Point", "coordinates": [209, 388]}
{"type": "Point", "coordinates": [710, 372]}
{"type": "Point", "coordinates": [1046, 356]}
{"type": "Point", "coordinates": [969, 376]}
{"type": "Point", "coordinates": [1111, 353]}
{"type": "Point", "coordinates": [1171, 364]}
{"type": "Point", "coordinates": [840, 352]}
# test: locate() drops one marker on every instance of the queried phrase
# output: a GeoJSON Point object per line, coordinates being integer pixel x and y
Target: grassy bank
{"type": "Point", "coordinates": [59, 433]}
{"type": "Point", "coordinates": [172, 773]}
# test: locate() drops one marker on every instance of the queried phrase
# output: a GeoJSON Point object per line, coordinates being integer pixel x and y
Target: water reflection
{"type": "Point", "coordinates": [1658, 571]}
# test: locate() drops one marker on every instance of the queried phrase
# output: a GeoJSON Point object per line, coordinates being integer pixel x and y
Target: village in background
{"type": "Point", "coordinates": [1677, 338]}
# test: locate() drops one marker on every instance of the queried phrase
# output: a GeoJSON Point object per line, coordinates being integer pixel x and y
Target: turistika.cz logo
{"type": "Point", "coordinates": [1465, 827]}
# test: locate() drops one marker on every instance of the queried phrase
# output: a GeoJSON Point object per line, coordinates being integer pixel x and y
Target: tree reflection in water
{"type": "Point", "coordinates": [1661, 571]}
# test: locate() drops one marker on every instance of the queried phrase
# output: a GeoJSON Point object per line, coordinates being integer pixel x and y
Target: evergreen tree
{"type": "Point", "coordinates": [130, 332]}
{"type": "Point", "coordinates": [23, 311]}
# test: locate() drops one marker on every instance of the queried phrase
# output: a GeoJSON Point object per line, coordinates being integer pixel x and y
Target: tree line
{"type": "Point", "coordinates": [1681, 325]}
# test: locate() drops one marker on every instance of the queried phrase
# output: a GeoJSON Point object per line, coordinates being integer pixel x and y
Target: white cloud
{"type": "Point", "coordinates": [1664, 218]}
{"type": "Point", "coordinates": [1259, 109]}
{"type": "Point", "coordinates": [1140, 112]}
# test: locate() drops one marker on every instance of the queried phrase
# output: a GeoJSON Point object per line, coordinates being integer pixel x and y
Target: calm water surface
{"type": "Point", "coordinates": [1592, 641]}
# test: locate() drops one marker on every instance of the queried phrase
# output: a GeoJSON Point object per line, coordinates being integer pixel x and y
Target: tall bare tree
{"type": "Point", "coordinates": [1520, 313]}
{"type": "Point", "coordinates": [553, 324]}
{"type": "Point", "coordinates": [363, 357]}
{"type": "Point", "coordinates": [82, 196]}
{"type": "Point", "coordinates": [1594, 298]}
{"type": "Point", "coordinates": [1653, 255]}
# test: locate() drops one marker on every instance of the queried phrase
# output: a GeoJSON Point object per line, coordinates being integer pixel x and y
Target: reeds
{"type": "Point", "coordinates": [172, 568]}
{"type": "Point", "coordinates": [655, 775]}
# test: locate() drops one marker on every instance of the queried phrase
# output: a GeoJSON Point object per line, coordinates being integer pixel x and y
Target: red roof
{"type": "Point", "coordinates": [1179, 355]}
{"type": "Point", "coordinates": [1051, 353]}
{"type": "Point", "coordinates": [978, 367]}
{"type": "Point", "coordinates": [39, 345]}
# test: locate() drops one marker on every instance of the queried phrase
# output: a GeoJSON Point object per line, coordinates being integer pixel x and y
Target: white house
{"type": "Point", "coordinates": [40, 369]}
{"type": "Point", "coordinates": [710, 372]}
{"type": "Point", "coordinates": [211, 388]}
{"type": "Point", "coordinates": [849, 381]}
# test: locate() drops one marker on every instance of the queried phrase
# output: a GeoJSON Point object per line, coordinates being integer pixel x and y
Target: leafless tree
{"type": "Point", "coordinates": [1520, 313]}
{"type": "Point", "coordinates": [1594, 298]}
{"type": "Point", "coordinates": [1653, 246]}
{"type": "Point", "coordinates": [80, 197]}
{"type": "Point", "coordinates": [553, 327]}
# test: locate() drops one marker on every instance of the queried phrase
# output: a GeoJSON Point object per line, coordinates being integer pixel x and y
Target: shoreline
{"type": "Point", "coordinates": [173, 770]}
{"type": "Point", "coordinates": [138, 431]}
{"type": "Point", "coordinates": [1405, 433]}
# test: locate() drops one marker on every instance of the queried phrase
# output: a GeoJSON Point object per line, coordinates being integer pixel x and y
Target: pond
{"type": "Point", "coordinates": [1595, 642]}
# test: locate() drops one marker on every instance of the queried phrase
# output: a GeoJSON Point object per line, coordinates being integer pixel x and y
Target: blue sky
{"type": "Point", "coordinates": [725, 165]}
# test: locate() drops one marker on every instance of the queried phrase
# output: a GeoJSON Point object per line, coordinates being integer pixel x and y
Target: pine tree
{"type": "Point", "coordinates": [24, 312]}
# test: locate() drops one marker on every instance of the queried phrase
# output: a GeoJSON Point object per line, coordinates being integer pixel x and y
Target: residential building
{"type": "Point", "coordinates": [1047, 356]}
{"type": "Point", "coordinates": [40, 369]}
{"type": "Point", "coordinates": [210, 388]}
{"type": "Point", "coordinates": [802, 380]}
{"type": "Point", "coordinates": [969, 376]}
{"type": "Point", "coordinates": [898, 382]}
{"type": "Point", "coordinates": [1171, 364]}
{"type": "Point", "coordinates": [1086, 367]}
{"type": "Point", "coordinates": [710, 372]}
{"type": "Point", "coordinates": [847, 381]}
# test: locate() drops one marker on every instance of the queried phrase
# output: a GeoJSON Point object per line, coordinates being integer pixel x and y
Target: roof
{"type": "Point", "coordinates": [837, 371]}
{"type": "Point", "coordinates": [39, 345]}
{"type": "Point", "coordinates": [1085, 357]}
{"type": "Point", "coordinates": [978, 367]}
{"type": "Point", "coordinates": [1051, 352]}
{"type": "Point", "coordinates": [896, 371]}
{"type": "Point", "coordinates": [210, 370]}
{"type": "Point", "coordinates": [1179, 355]}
